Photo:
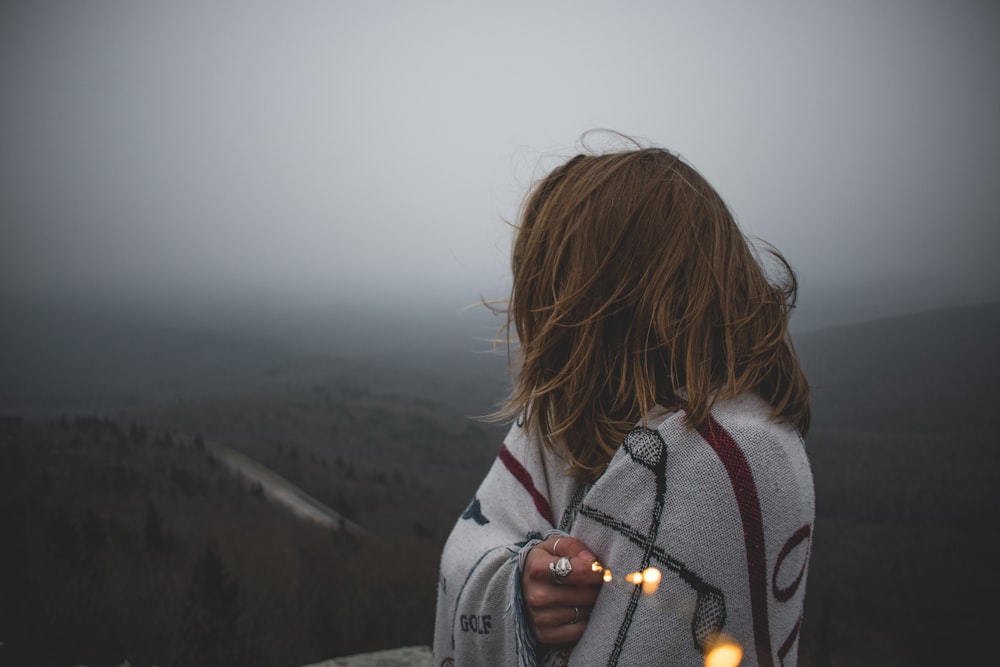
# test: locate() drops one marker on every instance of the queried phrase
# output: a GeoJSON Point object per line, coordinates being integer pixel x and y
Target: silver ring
{"type": "Point", "coordinates": [560, 569]}
{"type": "Point", "coordinates": [576, 618]}
{"type": "Point", "coordinates": [555, 546]}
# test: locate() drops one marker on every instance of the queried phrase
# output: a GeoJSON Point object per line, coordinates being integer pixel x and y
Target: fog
{"type": "Point", "coordinates": [318, 152]}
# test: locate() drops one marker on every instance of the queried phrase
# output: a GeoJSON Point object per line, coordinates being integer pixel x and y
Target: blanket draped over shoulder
{"type": "Point", "coordinates": [725, 512]}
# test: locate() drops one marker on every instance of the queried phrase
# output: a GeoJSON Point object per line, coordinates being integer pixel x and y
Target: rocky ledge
{"type": "Point", "coordinates": [408, 656]}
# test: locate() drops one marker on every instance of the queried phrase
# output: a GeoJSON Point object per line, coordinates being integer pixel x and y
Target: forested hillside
{"type": "Point", "coordinates": [905, 442]}
{"type": "Point", "coordinates": [127, 535]}
{"type": "Point", "coordinates": [123, 542]}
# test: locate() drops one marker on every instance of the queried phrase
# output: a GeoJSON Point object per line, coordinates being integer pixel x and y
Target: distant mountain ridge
{"type": "Point", "coordinates": [925, 371]}
{"type": "Point", "coordinates": [76, 359]}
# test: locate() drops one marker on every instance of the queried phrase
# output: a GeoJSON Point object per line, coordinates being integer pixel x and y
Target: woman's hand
{"type": "Point", "coordinates": [558, 607]}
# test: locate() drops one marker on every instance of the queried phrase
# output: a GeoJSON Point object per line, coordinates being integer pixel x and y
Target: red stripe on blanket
{"type": "Point", "coordinates": [748, 501]}
{"type": "Point", "coordinates": [524, 477]}
{"type": "Point", "coordinates": [785, 648]}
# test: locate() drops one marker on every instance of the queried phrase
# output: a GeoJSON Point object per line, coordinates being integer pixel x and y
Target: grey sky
{"type": "Point", "coordinates": [322, 150]}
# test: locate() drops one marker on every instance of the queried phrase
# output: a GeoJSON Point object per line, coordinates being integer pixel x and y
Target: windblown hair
{"type": "Point", "coordinates": [634, 287]}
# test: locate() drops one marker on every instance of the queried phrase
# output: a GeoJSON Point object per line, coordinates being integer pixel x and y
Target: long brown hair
{"type": "Point", "coordinates": [633, 286]}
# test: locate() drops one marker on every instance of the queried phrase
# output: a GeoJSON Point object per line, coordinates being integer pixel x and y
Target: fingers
{"type": "Point", "coordinates": [558, 607]}
{"type": "Point", "coordinates": [552, 617]}
{"type": "Point", "coordinates": [551, 550]}
{"type": "Point", "coordinates": [564, 625]}
{"type": "Point", "coordinates": [564, 545]}
{"type": "Point", "coordinates": [541, 595]}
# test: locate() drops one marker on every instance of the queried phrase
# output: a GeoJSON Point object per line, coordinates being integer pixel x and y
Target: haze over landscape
{"type": "Point", "coordinates": [256, 228]}
{"type": "Point", "coordinates": [315, 153]}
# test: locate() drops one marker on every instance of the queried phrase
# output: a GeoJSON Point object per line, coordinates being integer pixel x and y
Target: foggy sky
{"type": "Point", "coordinates": [315, 151]}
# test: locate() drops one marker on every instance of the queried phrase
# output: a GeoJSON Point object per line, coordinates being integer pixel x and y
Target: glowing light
{"type": "Point", "coordinates": [650, 580]}
{"type": "Point", "coordinates": [725, 654]}
{"type": "Point", "coordinates": [607, 574]}
{"type": "Point", "coordinates": [596, 566]}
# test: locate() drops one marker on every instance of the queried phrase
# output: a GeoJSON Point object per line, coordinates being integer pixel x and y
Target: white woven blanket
{"type": "Point", "coordinates": [725, 513]}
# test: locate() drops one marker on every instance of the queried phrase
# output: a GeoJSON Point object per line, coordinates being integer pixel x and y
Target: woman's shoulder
{"type": "Point", "coordinates": [746, 420]}
{"type": "Point", "coordinates": [749, 416]}
{"type": "Point", "coordinates": [739, 438]}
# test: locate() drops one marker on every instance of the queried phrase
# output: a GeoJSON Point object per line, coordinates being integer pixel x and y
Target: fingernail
{"type": "Point", "coordinates": [586, 555]}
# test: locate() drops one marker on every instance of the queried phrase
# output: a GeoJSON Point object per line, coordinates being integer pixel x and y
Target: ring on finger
{"type": "Point", "coordinates": [576, 616]}
{"type": "Point", "coordinates": [560, 569]}
{"type": "Point", "coordinates": [555, 546]}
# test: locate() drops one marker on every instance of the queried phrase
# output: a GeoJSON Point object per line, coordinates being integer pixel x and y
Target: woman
{"type": "Point", "coordinates": [660, 410]}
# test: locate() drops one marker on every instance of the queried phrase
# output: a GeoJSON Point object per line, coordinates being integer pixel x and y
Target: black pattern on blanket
{"type": "Point", "coordinates": [725, 512]}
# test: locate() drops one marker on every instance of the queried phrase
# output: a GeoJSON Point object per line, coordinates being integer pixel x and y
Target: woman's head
{"type": "Point", "coordinates": [634, 286]}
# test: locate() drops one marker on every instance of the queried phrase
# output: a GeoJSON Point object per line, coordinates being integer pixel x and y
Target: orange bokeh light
{"type": "Point", "coordinates": [724, 654]}
{"type": "Point", "coordinates": [650, 580]}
